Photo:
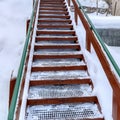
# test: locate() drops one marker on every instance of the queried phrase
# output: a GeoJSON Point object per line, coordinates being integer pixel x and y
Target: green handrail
{"type": "Point", "coordinates": [21, 68]}
{"type": "Point", "coordinates": [117, 69]}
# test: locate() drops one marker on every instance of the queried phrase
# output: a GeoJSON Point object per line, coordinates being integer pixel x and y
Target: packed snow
{"type": "Point", "coordinates": [94, 3]}
{"type": "Point", "coordinates": [14, 14]}
{"type": "Point", "coordinates": [106, 22]}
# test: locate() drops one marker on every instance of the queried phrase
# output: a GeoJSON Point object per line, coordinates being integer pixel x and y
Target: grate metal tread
{"type": "Point", "coordinates": [60, 62]}
{"type": "Point", "coordinates": [52, 42]}
{"type": "Point", "coordinates": [63, 112]}
{"type": "Point", "coordinates": [60, 75]}
{"type": "Point", "coordinates": [59, 91]}
{"type": "Point", "coordinates": [41, 52]}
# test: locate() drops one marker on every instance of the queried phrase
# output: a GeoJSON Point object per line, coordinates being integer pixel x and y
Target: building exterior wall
{"type": "Point", "coordinates": [110, 36]}
{"type": "Point", "coordinates": [116, 7]}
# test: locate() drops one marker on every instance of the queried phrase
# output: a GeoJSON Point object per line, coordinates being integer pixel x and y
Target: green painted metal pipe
{"type": "Point", "coordinates": [21, 68]}
{"type": "Point", "coordinates": [117, 69]}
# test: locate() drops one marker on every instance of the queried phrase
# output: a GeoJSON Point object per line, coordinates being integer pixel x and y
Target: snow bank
{"type": "Point", "coordinates": [93, 3]}
{"type": "Point", "coordinates": [105, 21]}
{"type": "Point", "coordinates": [13, 29]}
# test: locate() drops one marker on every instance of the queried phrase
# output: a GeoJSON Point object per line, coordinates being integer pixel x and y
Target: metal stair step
{"type": "Point", "coordinates": [52, 42]}
{"type": "Point", "coordinates": [52, 0]}
{"type": "Point", "coordinates": [61, 38]}
{"type": "Point", "coordinates": [57, 4]}
{"type": "Point", "coordinates": [79, 111]}
{"type": "Point", "coordinates": [58, 68]}
{"type": "Point", "coordinates": [62, 100]}
{"type": "Point", "coordinates": [53, 8]}
{"type": "Point", "coordinates": [55, 32]}
{"type": "Point", "coordinates": [58, 81]}
{"type": "Point", "coordinates": [58, 53]}
{"type": "Point", "coordinates": [59, 91]}
{"type": "Point", "coordinates": [55, 27]}
{"type": "Point", "coordinates": [42, 56]}
{"type": "Point", "coordinates": [53, 12]}
{"type": "Point", "coordinates": [56, 46]}
{"type": "Point", "coordinates": [57, 62]}
{"type": "Point", "coordinates": [59, 75]}
{"type": "Point", "coordinates": [52, 49]}
{"type": "Point", "coordinates": [67, 21]}
{"type": "Point", "coordinates": [54, 16]}
{"type": "Point", "coordinates": [53, 3]}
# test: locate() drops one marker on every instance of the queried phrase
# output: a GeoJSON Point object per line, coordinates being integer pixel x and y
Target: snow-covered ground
{"type": "Point", "coordinates": [13, 16]}
{"type": "Point", "coordinates": [94, 3]}
{"type": "Point", "coordinates": [105, 22]}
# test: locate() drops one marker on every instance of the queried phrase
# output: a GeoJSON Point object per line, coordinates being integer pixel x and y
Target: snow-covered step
{"type": "Point", "coordinates": [52, 8]}
{"type": "Point", "coordinates": [59, 51]}
{"type": "Point", "coordinates": [41, 52]}
{"type": "Point", "coordinates": [59, 91]}
{"type": "Point", "coordinates": [79, 111]}
{"type": "Point", "coordinates": [58, 62]}
{"type": "Point", "coordinates": [54, 12]}
{"type": "Point", "coordinates": [59, 75]}
{"type": "Point", "coordinates": [55, 32]}
{"type": "Point", "coordinates": [57, 46]}
{"type": "Point", "coordinates": [54, 26]}
{"type": "Point", "coordinates": [58, 68]}
{"type": "Point", "coordinates": [53, 2]}
{"type": "Point", "coordinates": [54, 43]}
{"type": "Point", "coordinates": [62, 38]}
{"type": "Point", "coordinates": [69, 81]}
{"type": "Point", "coordinates": [50, 42]}
{"type": "Point", "coordinates": [67, 21]}
{"type": "Point", "coordinates": [54, 16]}
{"type": "Point", "coordinates": [55, 56]}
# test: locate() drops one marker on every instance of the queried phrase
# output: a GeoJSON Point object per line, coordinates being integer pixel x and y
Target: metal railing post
{"type": "Point", "coordinates": [76, 16]}
{"type": "Point", "coordinates": [88, 41]}
{"type": "Point", "coordinates": [69, 2]}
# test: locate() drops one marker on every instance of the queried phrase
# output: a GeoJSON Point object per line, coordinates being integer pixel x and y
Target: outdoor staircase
{"type": "Point", "coordinates": [60, 87]}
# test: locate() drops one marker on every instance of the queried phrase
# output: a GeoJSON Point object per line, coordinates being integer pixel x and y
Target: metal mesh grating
{"type": "Point", "coordinates": [58, 63]}
{"type": "Point", "coordinates": [59, 91]}
{"type": "Point", "coordinates": [63, 112]}
{"type": "Point", "coordinates": [62, 75]}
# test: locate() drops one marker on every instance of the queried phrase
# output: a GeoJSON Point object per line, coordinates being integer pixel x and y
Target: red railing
{"type": "Point", "coordinates": [92, 38]}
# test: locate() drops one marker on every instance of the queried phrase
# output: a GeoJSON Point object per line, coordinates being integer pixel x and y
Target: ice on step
{"type": "Point", "coordinates": [63, 112]}
{"type": "Point", "coordinates": [59, 75]}
{"type": "Point", "coordinates": [58, 91]}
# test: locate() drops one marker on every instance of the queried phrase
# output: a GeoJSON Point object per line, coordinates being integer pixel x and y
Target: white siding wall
{"type": "Point", "coordinates": [116, 7]}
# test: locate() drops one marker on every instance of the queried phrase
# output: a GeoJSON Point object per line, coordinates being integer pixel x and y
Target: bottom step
{"type": "Point", "coordinates": [81, 111]}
